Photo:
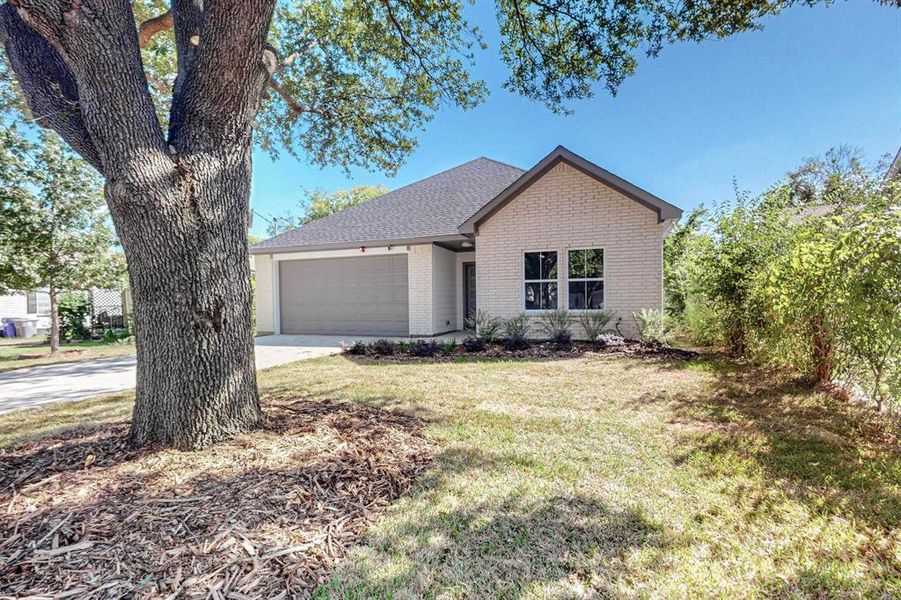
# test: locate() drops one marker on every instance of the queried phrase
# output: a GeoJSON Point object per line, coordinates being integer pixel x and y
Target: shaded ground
{"type": "Point", "coordinates": [20, 354]}
{"type": "Point", "coordinates": [268, 514]}
{"type": "Point", "coordinates": [562, 477]}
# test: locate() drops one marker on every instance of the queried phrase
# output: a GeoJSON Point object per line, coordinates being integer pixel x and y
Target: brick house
{"type": "Point", "coordinates": [485, 235]}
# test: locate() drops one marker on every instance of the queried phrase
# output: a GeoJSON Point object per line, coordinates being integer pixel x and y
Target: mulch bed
{"type": "Point", "coordinates": [266, 515]}
{"type": "Point", "coordinates": [544, 350]}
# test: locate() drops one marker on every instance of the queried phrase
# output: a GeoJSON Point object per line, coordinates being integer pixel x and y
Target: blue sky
{"type": "Point", "coordinates": [685, 126]}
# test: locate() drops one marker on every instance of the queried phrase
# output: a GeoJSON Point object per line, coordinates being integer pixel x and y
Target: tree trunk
{"type": "Point", "coordinates": [184, 231]}
{"type": "Point", "coordinates": [54, 321]}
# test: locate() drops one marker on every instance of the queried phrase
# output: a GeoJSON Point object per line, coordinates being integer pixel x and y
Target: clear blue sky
{"type": "Point", "coordinates": [748, 108]}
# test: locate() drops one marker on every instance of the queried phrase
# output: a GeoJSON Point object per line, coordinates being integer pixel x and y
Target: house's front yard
{"type": "Point", "coordinates": [17, 353]}
{"type": "Point", "coordinates": [562, 478]}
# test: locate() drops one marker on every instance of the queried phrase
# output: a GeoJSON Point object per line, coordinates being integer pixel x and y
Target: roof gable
{"type": "Point", "coordinates": [664, 210]}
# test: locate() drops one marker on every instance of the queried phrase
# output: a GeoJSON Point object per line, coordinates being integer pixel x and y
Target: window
{"type": "Point", "coordinates": [37, 303]}
{"type": "Point", "coordinates": [540, 280]}
{"type": "Point", "coordinates": [586, 279]}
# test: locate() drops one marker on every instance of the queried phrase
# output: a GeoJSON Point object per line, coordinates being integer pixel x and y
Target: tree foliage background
{"type": "Point", "coordinates": [319, 203]}
{"type": "Point", "coordinates": [805, 276]}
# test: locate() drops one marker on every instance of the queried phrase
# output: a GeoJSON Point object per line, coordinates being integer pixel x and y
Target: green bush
{"type": "Point", "coordinates": [73, 310]}
{"type": "Point", "coordinates": [473, 344]}
{"type": "Point", "coordinates": [593, 323]}
{"type": "Point", "coordinates": [449, 347]}
{"type": "Point", "coordinates": [358, 348]}
{"type": "Point", "coordinates": [555, 326]}
{"type": "Point", "coordinates": [485, 326]}
{"type": "Point", "coordinates": [650, 325]}
{"type": "Point", "coordinates": [516, 327]}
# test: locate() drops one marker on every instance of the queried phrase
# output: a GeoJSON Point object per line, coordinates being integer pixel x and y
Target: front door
{"type": "Point", "coordinates": [469, 290]}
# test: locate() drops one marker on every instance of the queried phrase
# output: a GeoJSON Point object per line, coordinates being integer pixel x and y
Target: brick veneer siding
{"type": "Point", "coordinates": [419, 288]}
{"type": "Point", "coordinates": [563, 210]}
{"type": "Point", "coordinates": [264, 294]}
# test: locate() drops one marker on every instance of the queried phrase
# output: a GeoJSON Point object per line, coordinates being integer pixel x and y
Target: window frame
{"type": "Point", "coordinates": [602, 279]}
{"type": "Point", "coordinates": [524, 282]}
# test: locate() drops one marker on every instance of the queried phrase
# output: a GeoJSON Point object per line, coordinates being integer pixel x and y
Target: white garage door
{"type": "Point", "coordinates": [345, 296]}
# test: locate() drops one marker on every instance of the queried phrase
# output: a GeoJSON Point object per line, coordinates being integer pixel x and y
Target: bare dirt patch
{"type": "Point", "coordinates": [266, 515]}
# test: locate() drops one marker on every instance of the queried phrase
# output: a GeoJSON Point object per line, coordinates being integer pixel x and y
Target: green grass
{"type": "Point", "coordinates": [19, 354]}
{"type": "Point", "coordinates": [608, 477]}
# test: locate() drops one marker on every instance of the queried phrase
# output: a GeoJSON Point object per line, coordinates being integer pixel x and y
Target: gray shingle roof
{"type": "Point", "coordinates": [432, 207]}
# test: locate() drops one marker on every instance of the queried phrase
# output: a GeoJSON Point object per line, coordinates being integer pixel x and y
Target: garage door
{"type": "Point", "coordinates": [357, 296]}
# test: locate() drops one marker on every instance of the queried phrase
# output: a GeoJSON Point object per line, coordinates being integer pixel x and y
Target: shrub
{"type": "Point", "coordinates": [402, 347]}
{"type": "Point", "coordinates": [358, 348]}
{"type": "Point", "coordinates": [383, 347]}
{"type": "Point", "coordinates": [424, 348]}
{"type": "Point", "coordinates": [73, 310]}
{"type": "Point", "coordinates": [593, 324]}
{"type": "Point", "coordinates": [515, 331]}
{"type": "Point", "coordinates": [449, 347]}
{"type": "Point", "coordinates": [485, 326]}
{"type": "Point", "coordinates": [555, 326]}
{"type": "Point", "coordinates": [516, 342]}
{"type": "Point", "coordinates": [473, 344]}
{"type": "Point", "coordinates": [650, 325]}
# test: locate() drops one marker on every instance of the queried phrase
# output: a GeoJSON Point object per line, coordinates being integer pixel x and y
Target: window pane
{"type": "Point", "coordinates": [576, 295]}
{"type": "Point", "coordinates": [548, 296]}
{"type": "Point", "coordinates": [576, 264]}
{"type": "Point", "coordinates": [532, 265]}
{"type": "Point", "coordinates": [533, 296]}
{"type": "Point", "coordinates": [549, 265]}
{"type": "Point", "coordinates": [595, 294]}
{"type": "Point", "coordinates": [31, 303]}
{"type": "Point", "coordinates": [594, 263]}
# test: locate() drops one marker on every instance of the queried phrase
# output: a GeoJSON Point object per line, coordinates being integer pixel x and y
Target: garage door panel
{"type": "Point", "coordinates": [345, 296]}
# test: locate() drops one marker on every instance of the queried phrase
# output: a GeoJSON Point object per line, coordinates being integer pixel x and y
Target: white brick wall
{"type": "Point", "coordinates": [568, 209]}
{"type": "Point", "coordinates": [419, 264]}
{"type": "Point", "coordinates": [264, 294]}
{"type": "Point", "coordinates": [444, 290]}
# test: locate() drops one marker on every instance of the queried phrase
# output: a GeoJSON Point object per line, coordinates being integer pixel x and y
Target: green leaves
{"type": "Point", "coordinates": [53, 225]}
{"type": "Point", "coordinates": [319, 203]}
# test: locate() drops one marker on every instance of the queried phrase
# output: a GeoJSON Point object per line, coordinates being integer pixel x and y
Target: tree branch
{"type": "Point", "coordinates": [151, 27]}
{"type": "Point", "coordinates": [296, 107]}
{"type": "Point", "coordinates": [47, 82]}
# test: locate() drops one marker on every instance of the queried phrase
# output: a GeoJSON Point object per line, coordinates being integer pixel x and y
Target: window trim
{"type": "Point", "coordinates": [523, 281]}
{"type": "Point", "coordinates": [602, 279]}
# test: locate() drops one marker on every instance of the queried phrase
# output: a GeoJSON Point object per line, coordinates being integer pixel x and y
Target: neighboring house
{"type": "Point", "coordinates": [107, 308]}
{"type": "Point", "coordinates": [418, 260]}
{"type": "Point", "coordinates": [33, 305]}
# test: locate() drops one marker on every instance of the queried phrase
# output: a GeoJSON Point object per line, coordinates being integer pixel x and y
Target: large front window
{"type": "Point", "coordinates": [586, 279]}
{"type": "Point", "coordinates": [540, 280]}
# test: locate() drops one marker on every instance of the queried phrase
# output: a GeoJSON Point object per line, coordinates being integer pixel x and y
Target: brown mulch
{"type": "Point", "coordinates": [544, 350]}
{"type": "Point", "coordinates": [266, 515]}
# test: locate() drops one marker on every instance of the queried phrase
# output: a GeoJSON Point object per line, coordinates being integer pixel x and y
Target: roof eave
{"type": "Point", "coordinates": [665, 211]}
{"type": "Point", "coordinates": [255, 250]}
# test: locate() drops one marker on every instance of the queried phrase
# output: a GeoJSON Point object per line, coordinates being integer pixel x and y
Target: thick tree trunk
{"type": "Point", "coordinates": [54, 321]}
{"type": "Point", "coordinates": [184, 230]}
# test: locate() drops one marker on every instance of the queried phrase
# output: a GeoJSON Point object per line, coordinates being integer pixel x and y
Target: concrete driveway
{"type": "Point", "coordinates": [28, 388]}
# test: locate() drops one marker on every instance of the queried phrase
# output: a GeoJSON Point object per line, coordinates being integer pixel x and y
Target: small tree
{"type": "Point", "coordinates": [53, 231]}
{"type": "Point", "coordinates": [320, 203]}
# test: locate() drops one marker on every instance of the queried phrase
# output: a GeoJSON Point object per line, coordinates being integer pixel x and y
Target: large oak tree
{"type": "Point", "coordinates": [347, 82]}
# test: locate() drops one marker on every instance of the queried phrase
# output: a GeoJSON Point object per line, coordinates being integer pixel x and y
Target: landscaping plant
{"type": "Point", "coordinates": [516, 331]}
{"type": "Point", "coordinates": [473, 344]}
{"type": "Point", "coordinates": [384, 347]}
{"type": "Point", "coordinates": [424, 348]}
{"type": "Point", "coordinates": [593, 323]}
{"type": "Point", "coordinates": [358, 348]}
{"type": "Point", "coordinates": [485, 326]}
{"type": "Point", "coordinates": [650, 325]}
{"type": "Point", "coordinates": [73, 310]}
{"type": "Point", "coordinates": [449, 346]}
{"type": "Point", "coordinates": [555, 326]}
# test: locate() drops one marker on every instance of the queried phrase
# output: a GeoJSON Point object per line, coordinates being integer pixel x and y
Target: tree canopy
{"type": "Point", "coordinates": [319, 203]}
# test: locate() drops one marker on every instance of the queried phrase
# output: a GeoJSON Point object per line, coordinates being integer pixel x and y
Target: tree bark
{"type": "Point", "coordinates": [54, 321]}
{"type": "Point", "coordinates": [186, 244]}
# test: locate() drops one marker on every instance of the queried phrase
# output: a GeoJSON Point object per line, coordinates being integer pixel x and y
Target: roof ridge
{"type": "Point", "coordinates": [500, 162]}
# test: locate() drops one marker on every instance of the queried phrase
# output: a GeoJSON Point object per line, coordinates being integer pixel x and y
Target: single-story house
{"type": "Point", "coordinates": [484, 235]}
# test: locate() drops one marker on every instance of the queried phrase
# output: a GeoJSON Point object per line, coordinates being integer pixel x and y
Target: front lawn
{"type": "Point", "coordinates": [16, 353]}
{"type": "Point", "coordinates": [580, 477]}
